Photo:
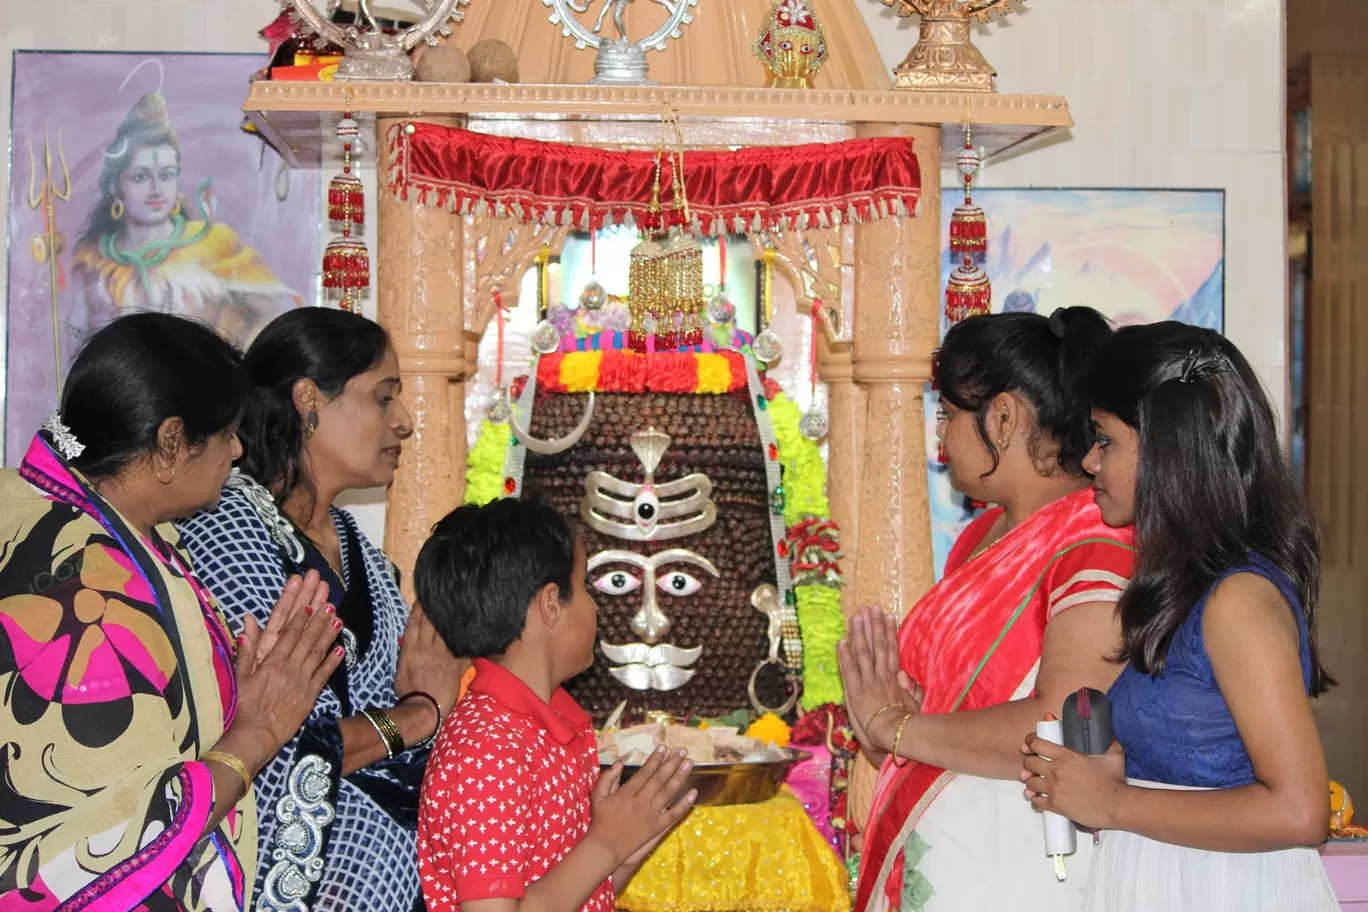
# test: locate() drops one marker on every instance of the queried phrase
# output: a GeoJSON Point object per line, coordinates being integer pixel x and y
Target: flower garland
{"type": "Point", "coordinates": [805, 508]}
{"type": "Point", "coordinates": [628, 372]}
{"type": "Point", "coordinates": [484, 472]}
{"type": "Point", "coordinates": [819, 606]}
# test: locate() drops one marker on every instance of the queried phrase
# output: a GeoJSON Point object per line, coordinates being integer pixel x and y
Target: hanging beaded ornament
{"type": "Point", "coordinates": [546, 338]}
{"type": "Point", "coordinates": [683, 263]}
{"type": "Point", "coordinates": [968, 225]}
{"type": "Point", "coordinates": [501, 408]}
{"type": "Point", "coordinates": [720, 310]}
{"type": "Point", "coordinates": [592, 297]}
{"type": "Point", "coordinates": [767, 346]}
{"type": "Point", "coordinates": [346, 262]}
{"type": "Point", "coordinates": [968, 292]}
{"type": "Point", "coordinates": [645, 273]}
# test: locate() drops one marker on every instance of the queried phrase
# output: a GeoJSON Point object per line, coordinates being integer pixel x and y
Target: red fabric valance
{"type": "Point", "coordinates": [752, 189]}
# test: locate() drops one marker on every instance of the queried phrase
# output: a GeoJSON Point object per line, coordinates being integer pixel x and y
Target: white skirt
{"type": "Point", "coordinates": [1131, 873]}
{"type": "Point", "coordinates": [986, 853]}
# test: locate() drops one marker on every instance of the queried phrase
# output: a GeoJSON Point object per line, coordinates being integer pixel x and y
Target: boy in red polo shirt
{"type": "Point", "coordinates": [514, 814]}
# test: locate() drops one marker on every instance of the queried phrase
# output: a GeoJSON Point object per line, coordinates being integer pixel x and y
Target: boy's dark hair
{"type": "Point", "coordinates": [478, 573]}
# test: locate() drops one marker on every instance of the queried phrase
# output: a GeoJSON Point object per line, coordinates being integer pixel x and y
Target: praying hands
{"type": "Point", "coordinates": [880, 696]}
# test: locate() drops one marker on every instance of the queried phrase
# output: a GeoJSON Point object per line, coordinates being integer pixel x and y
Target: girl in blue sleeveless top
{"type": "Point", "coordinates": [1214, 797]}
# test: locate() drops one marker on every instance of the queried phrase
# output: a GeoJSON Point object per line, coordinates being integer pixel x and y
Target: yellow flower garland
{"type": "Point", "coordinates": [485, 468]}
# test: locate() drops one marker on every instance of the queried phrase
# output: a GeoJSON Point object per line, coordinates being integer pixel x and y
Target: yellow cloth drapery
{"type": "Point", "coordinates": [765, 857]}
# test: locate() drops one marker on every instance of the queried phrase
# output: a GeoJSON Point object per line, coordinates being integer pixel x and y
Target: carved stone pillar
{"type": "Point", "coordinates": [845, 452]}
{"type": "Point", "coordinates": [897, 322]}
{"type": "Point", "coordinates": [420, 298]}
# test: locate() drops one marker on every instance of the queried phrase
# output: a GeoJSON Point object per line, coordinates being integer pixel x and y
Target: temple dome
{"type": "Point", "coordinates": [714, 50]}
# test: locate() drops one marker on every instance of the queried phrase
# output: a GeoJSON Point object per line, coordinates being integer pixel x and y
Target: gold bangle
{"type": "Point", "coordinates": [224, 758]}
{"type": "Point", "coordinates": [897, 741]}
{"type": "Point", "coordinates": [869, 726]}
{"type": "Point", "coordinates": [389, 733]}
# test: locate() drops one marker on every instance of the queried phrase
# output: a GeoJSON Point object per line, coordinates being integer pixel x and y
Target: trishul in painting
{"type": "Point", "coordinates": [50, 244]}
{"type": "Point", "coordinates": [944, 58]}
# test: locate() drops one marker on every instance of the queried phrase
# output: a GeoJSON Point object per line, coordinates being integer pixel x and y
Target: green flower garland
{"type": "Point", "coordinates": [819, 607]}
{"type": "Point", "coordinates": [484, 473]}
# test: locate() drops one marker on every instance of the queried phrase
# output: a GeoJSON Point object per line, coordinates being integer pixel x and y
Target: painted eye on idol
{"type": "Point", "coordinates": [678, 583]}
{"type": "Point", "coordinates": [619, 582]}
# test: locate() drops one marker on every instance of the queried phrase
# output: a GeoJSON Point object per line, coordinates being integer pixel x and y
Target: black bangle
{"type": "Point", "coordinates": [437, 708]}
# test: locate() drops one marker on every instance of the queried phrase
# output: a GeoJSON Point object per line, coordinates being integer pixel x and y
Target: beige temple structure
{"type": "Point", "coordinates": [435, 291]}
{"type": "Point", "coordinates": [437, 272]}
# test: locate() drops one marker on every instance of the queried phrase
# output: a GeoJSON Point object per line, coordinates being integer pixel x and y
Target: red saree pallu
{"type": "Point", "coordinates": [974, 641]}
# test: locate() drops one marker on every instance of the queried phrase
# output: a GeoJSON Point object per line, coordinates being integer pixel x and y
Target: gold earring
{"type": "Point", "coordinates": [176, 209]}
{"type": "Point", "coordinates": [1004, 444]}
{"type": "Point", "coordinates": [168, 480]}
{"type": "Point", "coordinates": [116, 209]}
{"type": "Point", "coordinates": [310, 424]}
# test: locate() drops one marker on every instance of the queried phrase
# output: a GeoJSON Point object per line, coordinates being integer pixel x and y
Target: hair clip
{"type": "Point", "coordinates": [1195, 368]}
{"type": "Point", "coordinates": [62, 438]}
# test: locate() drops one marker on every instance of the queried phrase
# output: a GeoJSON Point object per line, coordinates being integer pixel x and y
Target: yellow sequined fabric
{"type": "Point", "coordinates": [742, 858]}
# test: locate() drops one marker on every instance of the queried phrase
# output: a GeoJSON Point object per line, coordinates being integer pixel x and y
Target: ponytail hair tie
{"type": "Point", "coordinates": [1057, 322]}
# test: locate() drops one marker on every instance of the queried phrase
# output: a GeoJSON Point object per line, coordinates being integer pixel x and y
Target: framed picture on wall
{"type": "Point", "coordinates": [1138, 256]}
{"type": "Point", "coordinates": [134, 187]}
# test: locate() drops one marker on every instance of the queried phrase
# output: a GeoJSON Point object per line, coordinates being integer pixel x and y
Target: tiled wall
{"type": "Point", "coordinates": [1166, 93]}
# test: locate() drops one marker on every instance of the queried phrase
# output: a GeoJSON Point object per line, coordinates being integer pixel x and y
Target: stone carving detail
{"type": "Point", "coordinates": [811, 259]}
{"type": "Point", "coordinates": [502, 249]}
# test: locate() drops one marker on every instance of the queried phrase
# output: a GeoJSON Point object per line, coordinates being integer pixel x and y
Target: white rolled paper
{"type": "Point", "coordinates": [1060, 836]}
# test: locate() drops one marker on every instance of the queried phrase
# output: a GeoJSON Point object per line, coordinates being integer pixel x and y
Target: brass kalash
{"type": "Point", "coordinates": [674, 499]}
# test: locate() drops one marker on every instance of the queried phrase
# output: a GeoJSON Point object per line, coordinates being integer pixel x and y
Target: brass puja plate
{"type": "Point", "coordinates": [721, 784]}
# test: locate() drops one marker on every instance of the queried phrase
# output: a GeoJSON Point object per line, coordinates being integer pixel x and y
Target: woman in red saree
{"type": "Point", "coordinates": [1024, 615]}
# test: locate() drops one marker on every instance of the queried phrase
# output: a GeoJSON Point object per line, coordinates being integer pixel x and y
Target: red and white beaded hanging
{"type": "Point", "coordinates": [968, 292]}
{"type": "Point", "coordinates": [346, 262]}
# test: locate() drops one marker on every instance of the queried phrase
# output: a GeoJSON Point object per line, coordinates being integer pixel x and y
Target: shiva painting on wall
{"type": "Point", "coordinates": [134, 187]}
{"type": "Point", "coordinates": [1138, 256]}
